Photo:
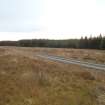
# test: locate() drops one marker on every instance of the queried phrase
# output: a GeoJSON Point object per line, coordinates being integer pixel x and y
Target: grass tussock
{"type": "Point", "coordinates": [85, 75]}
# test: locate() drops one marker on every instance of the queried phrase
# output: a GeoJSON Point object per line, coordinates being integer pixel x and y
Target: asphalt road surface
{"type": "Point", "coordinates": [72, 61]}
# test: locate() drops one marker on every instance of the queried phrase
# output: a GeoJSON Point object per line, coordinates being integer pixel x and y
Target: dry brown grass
{"type": "Point", "coordinates": [28, 80]}
{"type": "Point", "coordinates": [97, 56]}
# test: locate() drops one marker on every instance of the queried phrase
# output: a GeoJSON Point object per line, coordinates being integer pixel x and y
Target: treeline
{"type": "Point", "coordinates": [92, 42]}
{"type": "Point", "coordinates": [83, 43]}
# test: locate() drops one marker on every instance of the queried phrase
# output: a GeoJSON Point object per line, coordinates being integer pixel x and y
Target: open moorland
{"type": "Point", "coordinates": [26, 79]}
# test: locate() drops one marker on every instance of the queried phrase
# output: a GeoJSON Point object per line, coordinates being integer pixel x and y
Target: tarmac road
{"type": "Point", "coordinates": [72, 61]}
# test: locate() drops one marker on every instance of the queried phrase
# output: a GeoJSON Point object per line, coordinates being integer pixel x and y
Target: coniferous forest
{"type": "Point", "coordinates": [83, 43]}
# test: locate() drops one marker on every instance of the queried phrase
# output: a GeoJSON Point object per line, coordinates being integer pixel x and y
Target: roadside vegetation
{"type": "Point", "coordinates": [29, 80]}
{"type": "Point", "coordinates": [95, 56]}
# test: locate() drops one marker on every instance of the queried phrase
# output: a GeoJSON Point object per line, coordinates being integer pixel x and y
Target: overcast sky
{"type": "Point", "coordinates": [54, 19]}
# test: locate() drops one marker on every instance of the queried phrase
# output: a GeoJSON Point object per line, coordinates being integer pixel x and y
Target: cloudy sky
{"type": "Point", "coordinates": [54, 19]}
